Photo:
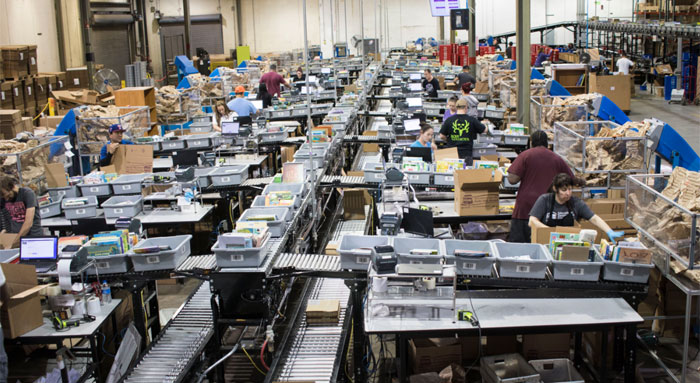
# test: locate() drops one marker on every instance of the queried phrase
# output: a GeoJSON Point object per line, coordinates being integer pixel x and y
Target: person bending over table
{"type": "Point", "coordinates": [19, 208]}
{"type": "Point", "coordinates": [116, 138]}
{"type": "Point", "coordinates": [560, 208]}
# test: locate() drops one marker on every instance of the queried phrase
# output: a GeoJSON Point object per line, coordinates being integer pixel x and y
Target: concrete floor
{"type": "Point", "coordinates": [685, 119]}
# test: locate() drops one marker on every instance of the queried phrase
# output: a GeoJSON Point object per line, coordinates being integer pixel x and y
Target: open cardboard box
{"type": "Point", "coordinates": [21, 310]}
{"type": "Point", "coordinates": [476, 191]}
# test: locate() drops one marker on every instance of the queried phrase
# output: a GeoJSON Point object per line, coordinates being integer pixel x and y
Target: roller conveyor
{"type": "Point", "coordinates": [179, 344]}
{"type": "Point", "coordinates": [313, 349]}
{"type": "Point", "coordinates": [308, 262]}
{"type": "Point", "coordinates": [203, 262]}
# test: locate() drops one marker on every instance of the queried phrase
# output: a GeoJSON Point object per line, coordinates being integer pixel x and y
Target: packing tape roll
{"type": "Point", "coordinates": [53, 290]}
{"type": "Point", "coordinates": [93, 306]}
{"type": "Point", "coordinates": [79, 307]}
{"type": "Point", "coordinates": [64, 278]}
{"type": "Point", "coordinates": [588, 235]}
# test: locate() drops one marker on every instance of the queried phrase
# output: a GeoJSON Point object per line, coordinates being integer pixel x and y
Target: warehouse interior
{"type": "Point", "coordinates": [350, 191]}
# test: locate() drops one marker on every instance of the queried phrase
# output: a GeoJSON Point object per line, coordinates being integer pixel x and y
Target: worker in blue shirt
{"type": "Point", "coordinates": [425, 139]}
{"type": "Point", "coordinates": [116, 138]}
{"type": "Point", "coordinates": [240, 105]}
{"type": "Point", "coordinates": [541, 56]}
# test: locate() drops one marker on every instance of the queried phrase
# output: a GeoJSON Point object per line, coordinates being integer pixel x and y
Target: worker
{"type": "Point", "coordinates": [464, 77]}
{"type": "Point", "coordinates": [509, 51]}
{"type": "Point", "coordinates": [116, 138]}
{"type": "Point", "coordinates": [272, 80]}
{"type": "Point", "coordinates": [240, 105]}
{"type": "Point", "coordinates": [264, 95]}
{"type": "Point", "coordinates": [461, 131]}
{"type": "Point", "coordinates": [430, 84]}
{"type": "Point", "coordinates": [559, 208]}
{"type": "Point", "coordinates": [19, 209]}
{"type": "Point", "coordinates": [425, 139]}
{"type": "Point", "coordinates": [222, 112]}
{"type": "Point", "coordinates": [541, 57]}
{"type": "Point", "coordinates": [451, 109]}
{"type": "Point", "coordinates": [534, 169]}
{"type": "Point", "coordinates": [472, 102]}
{"type": "Point", "coordinates": [624, 64]}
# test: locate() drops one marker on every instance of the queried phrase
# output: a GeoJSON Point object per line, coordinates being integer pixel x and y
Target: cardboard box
{"type": "Point", "coordinates": [502, 161]}
{"type": "Point", "coordinates": [575, 253]}
{"type": "Point", "coordinates": [51, 122]}
{"type": "Point", "coordinates": [664, 69]}
{"type": "Point", "coordinates": [17, 93]}
{"type": "Point", "coordinates": [592, 346]}
{"type": "Point", "coordinates": [546, 346]}
{"type": "Point", "coordinates": [481, 87]}
{"type": "Point", "coordinates": [370, 147]}
{"type": "Point", "coordinates": [133, 159]}
{"type": "Point", "coordinates": [32, 65]}
{"type": "Point", "coordinates": [476, 191]}
{"type": "Point", "coordinates": [7, 241]}
{"type": "Point", "coordinates": [446, 154]}
{"type": "Point", "coordinates": [21, 309]}
{"type": "Point", "coordinates": [607, 206]}
{"type": "Point", "coordinates": [617, 88]}
{"type": "Point", "coordinates": [635, 255]}
{"type": "Point", "coordinates": [6, 95]}
{"type": "Point", "coordinates": [541, 235]}
{"type": "Point", "coordinates": [501, 344]}
{"type": "Point", "coordinates": [433, 354]}
{"type": "Point", "coordinates": [354, 202]}
{"type": "Point", "coordinates": [77, 78]}
{"type": "Point", "coordinates": [56, 176]}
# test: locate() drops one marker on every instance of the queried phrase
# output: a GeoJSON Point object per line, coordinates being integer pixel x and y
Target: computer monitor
{"type": "Point", "coordinates": [412, 125]}
{"type": "Point", "coordinates": [38, 248]}
{"type": "Point", "coordinates": [418, 221]}
{"type": "Point", "coordinates": [258, 104]}
{"type": "Point", "coordinates": [414, 102]}
{"type": "Point", "coordinates": [414, 76]}
{"type": "Point", "coordinates": [185, 158]}
{"type": "Point", "coordinates": [230, 128]}
{"type": "Point", "coordinates": [415, 87]}
{"type": "Point", "coordinates": [423, 153]}
{"type": "Point", "coordinates": [90, 226]}
{"type": "Point", "coordinates": [326, 70]}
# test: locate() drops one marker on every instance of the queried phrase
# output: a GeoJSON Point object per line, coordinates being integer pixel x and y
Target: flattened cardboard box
{"type": "Point", "coordinates": [21, 309]}
{"type": "Point", "coordinates": [476, 191]}
{"type": "Point", "coordinates": [133, 159]}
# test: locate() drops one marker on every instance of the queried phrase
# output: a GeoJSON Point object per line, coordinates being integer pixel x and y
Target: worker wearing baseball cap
{"type": "Point", "coordinates": [116, 138]}
{"type": "Point", "coordinates": [240, 105]}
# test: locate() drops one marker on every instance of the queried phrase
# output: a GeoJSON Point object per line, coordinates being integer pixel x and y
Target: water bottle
{"type": "Point", "coordinates": [106, 293]}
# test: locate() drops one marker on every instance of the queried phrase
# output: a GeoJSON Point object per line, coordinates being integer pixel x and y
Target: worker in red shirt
{"type": "Point", "coordinates": [272, 80]}
{"type": "Point", "coordinates": [534, 169]}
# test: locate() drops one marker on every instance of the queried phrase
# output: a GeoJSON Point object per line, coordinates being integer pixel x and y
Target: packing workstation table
{"type": "Point", "coordinates": [444, 212]}
{"type": "Point", "coordinates": [166, 162]}
{"type": "Point", "coordinates": [47, 334]}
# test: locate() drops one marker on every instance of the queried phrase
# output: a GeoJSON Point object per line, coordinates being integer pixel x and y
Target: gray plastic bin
{"type": "Point", "coordinates": [374, 172]}
{"type": "Point", "coordinates": [259, 202]}
{"type": "Point", "coordinates": [507, 368]}
{"type": "Point", "coordinates": [444, 179]}
{"type": "Point", "coordinates": [626, 272]}
{"type": "Point", "coordinates": [273, 136]}
{"type": "Point", "coordinates": [88, 210]}
{"type": "Point", "coordinates": [467, 265]}
{"type": "Point", "coordinates": [535, 267]}
{"type": "Point", "coordinates": [420, 177]}
{"type": "Point", "coordinates": [111, 264]}
{"type": "Point", "coordinates": [480, 150]}
{"type": "Point", "coordinates": [229, 175]}
{"type": "Point", "coordinates": [68, 192]}
{"type": "Point", "coordinates": [127, 206]}
{"type": "Point", "coordinates": [51, 210]}
{"type": "Point", "coordinates": [557, 371]}
{"type": "Point", "coordinates": [173, 144]}
{"type": "Point", "coordinates": [202, 175]}
{"type": "Point", "coordinates": [494, 113]}
{"type": "Point", "coordinates": [252, 257]}
{"type": "Point", "coordinates": [577, 271]}
{"type": "Point", "coordinates": [355, 250]}
{"type": "Point", "coordinates": [200, 141]}
{"type": "Point", "coordinates": [201, 127]}
{"type": "Point", "coordinates": [318, 157]}
{"type": "Point", "coordinates": [167, 259]}
{"type": "Point", "coordinates": [321, 147]}
{"type": "Point", "coordinates": [156, 146]}
{"type": "Point", "coordinates": [281, 113]}
{"type": "Point", "coordinates": [515, 139]}
{"type": "Point", "coordinates": [403, 247]}
{"type": "Point", "coordinates": [100, 189]}
{"type": "Point", "coordinates": [8, 256]}
{"type": "Point", "coordinates": [489, 139]}
{"type": "Point", "coordinates": [385, 131]}
{"type": "Point", "coordinates": [278, 226]}
{"type": "Point", "coordinates": [296, 189]}
{"type": "Point", "coordinates": [128, 183]}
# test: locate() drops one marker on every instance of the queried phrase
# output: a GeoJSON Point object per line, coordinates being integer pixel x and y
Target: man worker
{"type": "Point", "coordinates": [534, 169]}
{"type": "Point", "coordinates": [461, 131]}
{"type": "Point", "coordinates": [272, 80]}
{"type": "Point", "coordinates": [624, 64]}
{"type": "Point", "coordinates": [430, 84]}
{"type": "Point", "coordinates": [20, 210]}
{"type": "Point", "coordinates": [464, 77]}
{"type": "Point", "coordinates": [116, 138]}
{"type": "Point", "coordinates": [509, 50]}
{"type": "Point", "coordinates": [240, 105]}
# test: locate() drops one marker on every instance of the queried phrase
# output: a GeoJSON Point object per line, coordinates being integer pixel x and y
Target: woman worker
{"type": "Point", "coordinates": [559, 208]}
{"type": "Point", "coordinates": [222, 112]}
{"type": "Point", "coordinates": [425, 139]}
{"type": "Point", "coordinates": [472, 102]}
{"type": "Point", "coordinates": [451, 109]}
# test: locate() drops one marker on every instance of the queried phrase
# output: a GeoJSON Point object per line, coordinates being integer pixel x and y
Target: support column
{"type": "Point", "coordinates": [679, 64]}
{"type": "Point", "coordinates": [87, 46]}
{"type": "Point", "coordinates": [472, 37]}
{"type": "Point", "coordinates": [239, 24]}
{"type": "Point", "coordinates": [186, 10]}
{"type": "Point", "coordinates": [442, 29]}
{"type": "Point", "coordinates": [522, 36]}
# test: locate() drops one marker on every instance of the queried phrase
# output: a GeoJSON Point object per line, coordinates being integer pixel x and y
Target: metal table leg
{"type": "Point", "coordinates": [630, 353]}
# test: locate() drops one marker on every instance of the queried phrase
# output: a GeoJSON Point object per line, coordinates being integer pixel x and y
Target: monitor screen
{"type": "Point", "coordinates": [417, 221]}
{"type": "Point", "coordinates": [411, 125]}
{"type": "Point", "coordinates": [258, 104]}
{"type": "Point", "coordinates": [414, 76]}
{"type": "Point", "coordinates": [414, 102]}
{"type": "Point", "coordinates": [38, 248]}
{"type": "Point", "coordinates": [326, 70]}
{"type": "Point", "coordinates": [230, 127]}
{"type": "Point", "coordinates": [414, 87]}
{"type": "Point", "coordinates": [441, 8]}
{"type": "Point", "coordinates": [426, 154]}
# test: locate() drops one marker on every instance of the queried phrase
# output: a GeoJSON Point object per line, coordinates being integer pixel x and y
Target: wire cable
{"type": "Point", "coordinates": [42, 111]}
{"type": "Point", "coordinates": [252, 362]}
{"type": "Point", "coordinates": [262, 356]}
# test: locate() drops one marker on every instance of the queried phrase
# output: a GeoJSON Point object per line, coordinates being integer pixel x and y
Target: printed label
{"type": "Point", "coordinates": [21, 55]}
{"type": "Point", "coordinates": [44, 211]}
{"type": "Point", "coordinates": [76, 81]}
{"type": "Point", "coordinates": [413, 177]}
{"type": "Point", "coordinates": [61, 192]}
{"type": "Point", "coordinates": [236, 258]}
{"type": "Point", "coordinates": [197, 143]}
{"type": "Point", "coordinates": [153, 259]}
{"type": "Point", "coordinates": [50, 87]}
{"type": "Point", "coordinates": [80, 211]}
{"type": "Point", "coordinates": [450, 178]}
{"type": "Point", "coordinates": [627, 272]}
{"type": "Point", "coordinates": [2, 94]}
{"type": "Point", "coordinates": [225, 179]}
{"type": "Point", "coordinates": [103, 265]}
{"type": "Point", "coordinates": [16, 92]}
{"type": "Point", "coordinates": [67, 145]}
{"type": "Point", "coordinates": [94, 189]}
{"type": "Point", "coordinates": [415, 262]}
{"type": "Point", "coordinates": [60, 84]}
{"type": "Point", "coordinates": [362, 260]}
{"type": "Point", "coordinates": [126, 187]}
{"type": "Point", "coordinates": [118, 211]}
{"type": "Point", "coordinates": [522, 269]}
{"type": "Point", "coordinates": [517, 139]}
{"type": "Point", "coordinates": [469, 265]}
{"type": "Point", "coordinates": [577, 271]}
{"type": "Point", "coordinates": [29, 90]}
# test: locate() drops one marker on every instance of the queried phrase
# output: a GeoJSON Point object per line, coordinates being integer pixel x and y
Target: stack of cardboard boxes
{"type": "Point", "coordinates": [12, 123]}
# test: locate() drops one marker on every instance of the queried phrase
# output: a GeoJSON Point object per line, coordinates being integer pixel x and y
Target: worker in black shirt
{"type": "Point", "coordinates": [430, 84]}
{"type": "Point", "coordinates": [464, 78]}
{"type": "Point", "coordinates": [461, 131]}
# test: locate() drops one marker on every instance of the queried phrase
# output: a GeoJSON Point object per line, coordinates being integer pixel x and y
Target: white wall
{"type": "Point", "coordinates": [31, 22]}
{"type": "Point", "coordinates": [614, 9]}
